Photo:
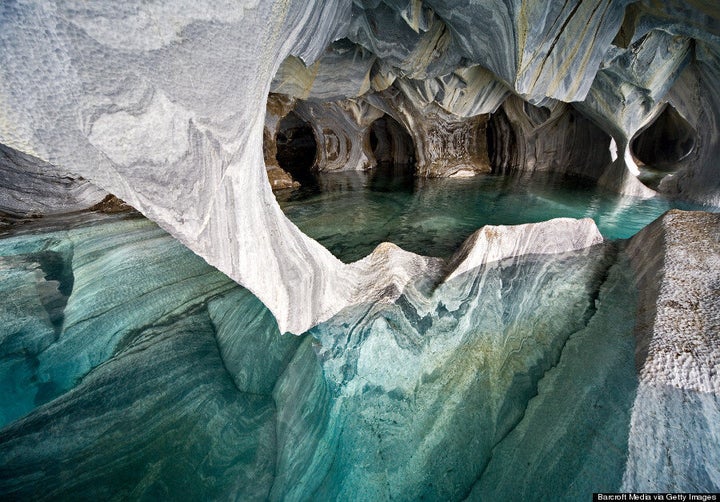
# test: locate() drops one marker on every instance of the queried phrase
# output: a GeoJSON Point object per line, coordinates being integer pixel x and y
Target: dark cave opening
{"type": "Point", "coordinates": [659, 148]}
{"type": "Point", "coordinates": [665, 142]}
{"type": "Point", "coordinates": [390, 143]}
{"type": "Point", "coordinates": [501, 141]}
{"type": "Point", "coordinates": [296, 147]}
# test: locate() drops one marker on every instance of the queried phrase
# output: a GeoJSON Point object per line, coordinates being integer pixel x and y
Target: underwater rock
{"type": "Point", "coordinates": [161, 419]}
{"type": "Point", "coordinates": [511, 363]}
{"type": "Point", "coordinates": [98, 285]}
{"type": "Point", "coordinates": [573, 437]}
{"type": "Point", "coordinates": [408, 399]}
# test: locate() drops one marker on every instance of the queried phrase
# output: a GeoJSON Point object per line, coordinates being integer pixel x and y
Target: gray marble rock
{"type": "Point", "coordinates": [676, 413]}
{"type": "Point", "coordinates": [32, 187]}
{"type": "Point", "coordinates": [161, 419]}
{"type": "Point", "coordinates": [163, 105]}
{"type": "Point", "coordinates": [551, 138]}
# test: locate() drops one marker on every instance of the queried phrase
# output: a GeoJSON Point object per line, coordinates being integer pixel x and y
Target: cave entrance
{"type": "Point", "coordinates": [391, 144]}
{"type": "Point", "coordinates": [296, 147]}
{"type": "Point", "coordinates": [501, 142]}
{"type": "Point", "coordinates": [659, 148]}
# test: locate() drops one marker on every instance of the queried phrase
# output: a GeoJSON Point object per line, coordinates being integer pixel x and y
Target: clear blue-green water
{"type": "Point", "coordinates": [351, 213]}
{"type": "Point", "coordinates": [131, 369]}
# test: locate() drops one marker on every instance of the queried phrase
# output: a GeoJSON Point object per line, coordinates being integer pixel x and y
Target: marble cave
{"type": "Point", "coordinates": [359, 250]}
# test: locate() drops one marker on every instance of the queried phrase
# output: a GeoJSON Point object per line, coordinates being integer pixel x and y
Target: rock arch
{"type": "Point", "coordinates": [389, 142]}
{"type": "Point", "coordinates": [665, 141]}
{"type": "Point", "coordinates": [297, 148]}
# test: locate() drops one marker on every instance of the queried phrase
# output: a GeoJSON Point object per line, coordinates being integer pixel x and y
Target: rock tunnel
{"type": "Point", "coordinates": [296, 147]}
{"type": "Point", "coordinates": [664, 143]}
{"type": "Point", "coordinates": [390, 143]}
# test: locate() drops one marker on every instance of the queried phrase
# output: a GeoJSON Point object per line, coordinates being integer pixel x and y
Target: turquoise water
{"type": "Point", "coordinates": [351, 213]}
{"type": "Point", "coordinates": [131, 369]}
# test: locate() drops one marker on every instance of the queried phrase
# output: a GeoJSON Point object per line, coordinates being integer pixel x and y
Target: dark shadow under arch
{"type": "Point", "coordinates": [390, 143]}
{"type": "Point", "coordinates": [665, 142]}
{"type": "Point", "coordinates": [296, 147]}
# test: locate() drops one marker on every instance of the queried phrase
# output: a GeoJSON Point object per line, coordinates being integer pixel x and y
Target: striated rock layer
{"type": "Point", "coordinates": [508, 371]}
{"type": "Point", "coordinates": [163, 105]}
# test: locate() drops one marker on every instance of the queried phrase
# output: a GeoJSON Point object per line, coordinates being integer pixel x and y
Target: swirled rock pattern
{"type": "Point", "coordinates": [163, 105]}
{"type": "Point", "coordinates": [508, 371]}
{"type": "Point", "coordinates": [551, 138]}
{"type": "Point", "coordinates": [421, 378]}
{"type": "Point", "coordinates": [31, 187]}
{"type": "Point", "coordinates": [343, 129]}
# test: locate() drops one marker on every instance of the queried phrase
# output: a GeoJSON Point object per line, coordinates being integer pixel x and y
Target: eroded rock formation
{"type": "Point", "coordinates": [278, 106]}
{"type": "Point", "coordinates": [32, 187]}
{"type": "Point", "coordinates": [171, 119]}
{"type": "Point", "coordinates": [527, 365]}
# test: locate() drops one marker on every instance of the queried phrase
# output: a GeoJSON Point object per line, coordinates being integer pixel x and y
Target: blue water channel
{"type": "Point", "coordinates": [351, 213]}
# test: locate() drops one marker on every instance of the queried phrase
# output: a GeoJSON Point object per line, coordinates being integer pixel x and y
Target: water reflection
{"type": "Point", "coordinates": [351, 213]}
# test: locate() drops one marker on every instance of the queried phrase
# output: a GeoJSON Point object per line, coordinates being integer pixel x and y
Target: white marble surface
{"type": "Point", "coordinates": [163, 105]}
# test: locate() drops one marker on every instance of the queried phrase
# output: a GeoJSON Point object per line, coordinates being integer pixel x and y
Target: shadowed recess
{"type": "Point", "coordinates": [296, 147]}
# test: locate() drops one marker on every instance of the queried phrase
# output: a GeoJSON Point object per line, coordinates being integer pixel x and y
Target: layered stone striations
{"type": "Point", "coordinates": [171, 119]}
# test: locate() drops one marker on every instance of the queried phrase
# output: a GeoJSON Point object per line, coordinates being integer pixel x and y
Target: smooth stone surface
{"type": "Point", "coordinates": [32, 187]}
{"type": "Point", "coordinates": [411, 397]}
{"type": "Point", "coordinates": [162, 419]}
{"type": "Point", "coordinates": [251, 346]}
{"type": "Point", "coordinates": [573, 437]}
{"type": "Point", "coordinates": [516, 376]}
{"type": "Point", "coordinates": [98, 285]}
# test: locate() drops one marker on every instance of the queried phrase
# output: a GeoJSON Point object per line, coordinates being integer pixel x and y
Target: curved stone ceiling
{"type": "Point", "coordinates": [163, 105]}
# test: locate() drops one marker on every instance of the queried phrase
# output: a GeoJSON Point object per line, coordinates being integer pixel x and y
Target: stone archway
{"type": "Point", "coordinates": [665, 142]}
{"type": "Point", "coordinates": [659, 148]}
{"type": "Point", "coordinates": [390, 143]}
{"type": "Point", "coordinates": [296, 147]}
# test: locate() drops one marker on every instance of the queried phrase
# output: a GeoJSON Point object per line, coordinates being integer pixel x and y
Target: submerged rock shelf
{"type": "Point", "coordinates": [519, 369]}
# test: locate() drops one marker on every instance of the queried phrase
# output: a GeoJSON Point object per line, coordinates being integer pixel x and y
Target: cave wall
{"type": "Point", "coordinates": [552, 138]}
{"type": "Point", "coordinates": [278, 106]}
{"type": "Point", "coordinates": [171, 119]}
{"type": "Point", "coordinates": [341, 127]}
{"type": "Point", "coordinates": [32, 187]}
